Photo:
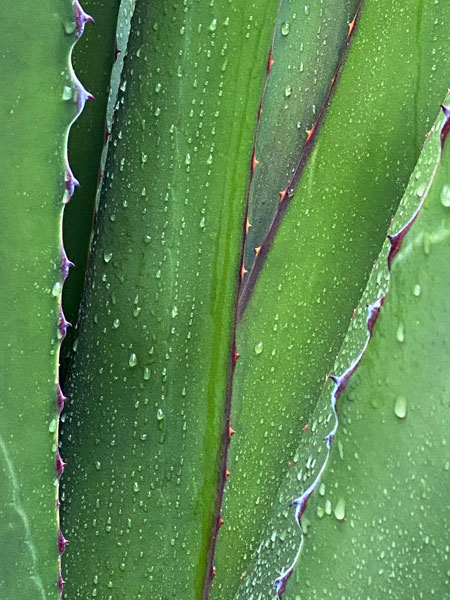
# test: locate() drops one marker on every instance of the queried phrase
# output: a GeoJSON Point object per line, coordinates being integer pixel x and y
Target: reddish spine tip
{"type": "Point", "coordinates": [60, 464]}
{"type": "Point", "coordinates": [62, 542]}
{"type": "Point", "coordinates": [60, 398]}
{"type": "Point", "coordinates": [235, 357]}
{"type": "Point", "coordinates": [71, 183]}
{"type": "Point", "coordinates": [107, 132]}
{"type": "Point", "coordinates": [283, 194]}
{"type": "Point", "coordinates": [254, 162]}
{"type": "Point", "coordinates": [116, 52]}
{"type": "Point", "coordinates": [446, 127]}
{"type": "Point", "coordinates": [66, 264]}
{"type": "Point", "coordinates": [270, 62]}
{"type": "Point", "coordinates": [231, 431]}
{"type": "Point", "coordinates": [61, 582]}
{"type": "Point", "coordinates": [81, 18]}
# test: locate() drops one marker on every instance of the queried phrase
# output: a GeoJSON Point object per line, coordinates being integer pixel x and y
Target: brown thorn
{"type": "Point", "coordinates": [254, 162]}
{"type": "Point", "coordinates": [309, 133]}
{"type": "Point", "coordinates": [283, 194]}
{"type": "Point", "coordinates": [351, 26]}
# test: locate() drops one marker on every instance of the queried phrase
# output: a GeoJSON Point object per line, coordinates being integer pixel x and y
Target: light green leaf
{"type": "Point", "coordinates": [367, 486]}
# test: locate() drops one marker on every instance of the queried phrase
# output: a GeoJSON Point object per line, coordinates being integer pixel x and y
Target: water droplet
{"type": "Point", "coordinates": [56, 289]}
{"type": "Point", "coordinates": [116, 323]}
{"type": "Point", "coordinates": [136, 486]}
{"type": "Point", "coordinates": [107, 256]}
{"type": "Point", "coordinates": [213, 25]}
{"type": "Point", "coordinates": [417, 290]}
{"type": "Point", "coordinates": [132, 361]}
{"type": "Point", "coordinates": [421, 189]}
{"type": "Point", "coordinates": [287, 91]}
{"type": "Point", "coordinates": [259, 348]}
{"type": "Point", "coordinates": [285, 28]}
{"type": "Point", "coordinates": [67, 93]}
{"type": "Point", "coordinates": [174, 312]}
{"type": "Point", "coordinates": [98, 465]}
{"type": "Point", "coordinates": [69, 27]}
{"type": "Point", "coordinates": [203, 223]}
{"type": "Point", "coordinates": [400, 335]}
{"type": "Point", "coordinates": [339, 509]}
{"type": "Point", "coordinates": [52, 426]}
{"type": "Point", "coordinates": [147, 373]}
{"type": "Point", "coordinates": [445, 196]}
{"type": "Point", "coordinates": [160, 414]}
{"type": "Point", "coordinates": [400, 407]}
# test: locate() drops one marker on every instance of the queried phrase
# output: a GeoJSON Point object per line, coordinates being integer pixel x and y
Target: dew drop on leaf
{"type": "Point", "coordinates": [258, 348]}
{"type": "Point", "coordinates": [339, 509]}
{"type": "Point", "coordinates": [445, 196]}
{"type": "Point", "coordinates": [400, 407]}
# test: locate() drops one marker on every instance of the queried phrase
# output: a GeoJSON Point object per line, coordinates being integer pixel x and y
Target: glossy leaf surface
{"type": "Point", "coordinates": [38, 100]}
{"type": "Point", "coordinates": [146, 423]}
{"type": "Point", "coordinates": [307, 45]}
{"type": "Point", "coordinates": [368, 482]}
{"type": "Point", "coordinates": [309, 275]}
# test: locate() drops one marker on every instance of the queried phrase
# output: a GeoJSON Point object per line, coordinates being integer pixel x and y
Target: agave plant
{"type": "Point", "coordinates": [256, 399]}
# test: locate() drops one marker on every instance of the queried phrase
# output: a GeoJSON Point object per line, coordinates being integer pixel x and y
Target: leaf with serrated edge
{"type": "Point", "coordinates": [367, 486]}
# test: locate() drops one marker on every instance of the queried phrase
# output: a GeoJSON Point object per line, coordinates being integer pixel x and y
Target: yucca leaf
{"type": "Point", "coordinates": [92, 61]}
{"type": "Point", "coordinates": [307, 45]}
{"type": "Point", "coordinates": [387, 479]}
{"type": "Point", "coordinates": [39, 99]}
{"type": "Point", "coordinates": [368, 484]}
{"type": "Point", "coordinates": [309, 275]}
{"type": "Point", "coordinates": [145, 427]}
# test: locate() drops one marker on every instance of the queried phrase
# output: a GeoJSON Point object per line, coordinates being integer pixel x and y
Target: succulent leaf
{"type": "Point", "coordinates": [40, 97]}
{"type": "Point", "coordinates": [310, 273]}
{"type": "Point", "coordinates": [360, 509]}
{"type": "Point", "coordinates": [146, 424]}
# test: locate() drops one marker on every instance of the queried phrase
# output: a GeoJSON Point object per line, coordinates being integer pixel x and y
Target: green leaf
{"type": "Point", "coordinates": [146, 423]}
{"type": "Point", "coordinates": [92, 61]}
{"type": "Point", "coordinates": [313, 266]}
{"type": "Point", "coordinates": [307, 45]}
{"type": "Point", "coordinates": [39, 99]}
{"type": "Point", "coordinates": [386, 478]}
{"type": "Point", "coordinates": [368, 484]}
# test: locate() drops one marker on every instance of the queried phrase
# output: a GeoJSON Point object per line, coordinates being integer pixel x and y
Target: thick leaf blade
{"type": "Point", "coordinates": [38, 101]}
{"type": "Point", "coordinates": [386, 479]}
{"type": "Point", "coordinates": [360, 478]}
{"type": "Point", "coordinates": [146, 426]}
{"type": "Point", "coordinates": [307, 45]}
{"type": "Point", "coordinates": [317, 262]}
